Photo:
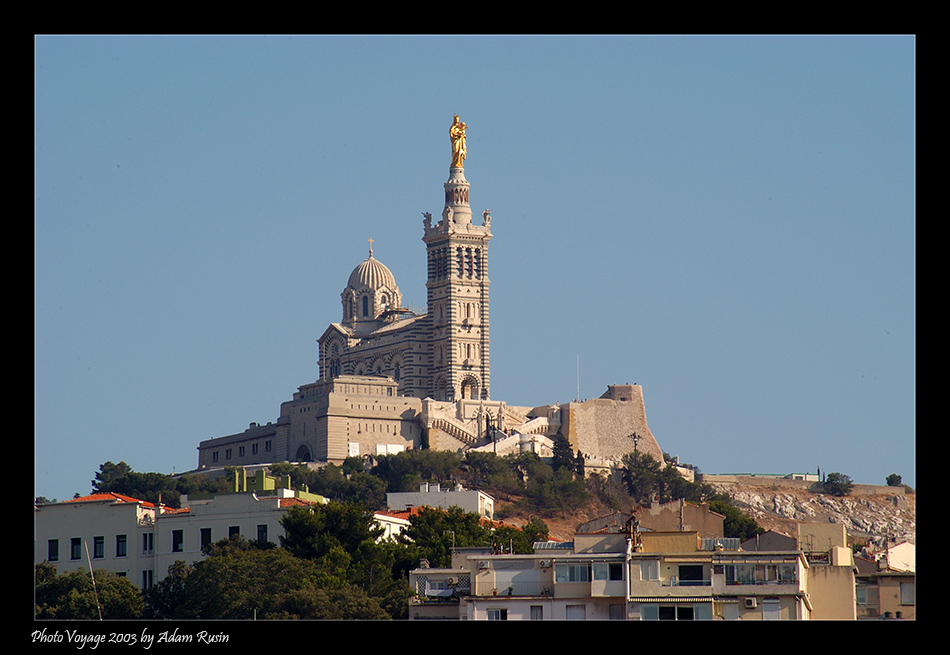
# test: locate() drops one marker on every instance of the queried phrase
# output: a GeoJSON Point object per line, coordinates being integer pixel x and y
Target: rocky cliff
{"type": "Point", "coordinates": [867, 518]}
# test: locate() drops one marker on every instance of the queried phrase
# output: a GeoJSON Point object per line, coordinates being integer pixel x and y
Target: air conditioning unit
{"type": "Point", "coordinates": [483, 564]}
{"type": "Point", "coordinates": [453, 581]}
{"type": "Point", "coordinates": [545, 563]}
{"type": "Point", "coordinates": [750, 603]}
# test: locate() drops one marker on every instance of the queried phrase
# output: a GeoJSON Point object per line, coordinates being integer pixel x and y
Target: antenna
{"type": "Point", "coordinates": [93, 576]}
{"type": "Point", "coordinates": [578, 377]}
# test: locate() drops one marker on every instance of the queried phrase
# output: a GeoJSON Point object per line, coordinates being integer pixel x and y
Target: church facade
{"type": "Point", "coordinates": [391, 379]}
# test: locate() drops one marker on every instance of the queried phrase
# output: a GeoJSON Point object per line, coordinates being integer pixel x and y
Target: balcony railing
{"type": "Point", "coordinates": [745, 583]}
{"type": "Point", "coordinates": [676, 582]}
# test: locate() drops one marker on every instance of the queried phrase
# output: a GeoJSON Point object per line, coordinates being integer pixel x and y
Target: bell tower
{"type": "Point", "coordinates": [457, 287]}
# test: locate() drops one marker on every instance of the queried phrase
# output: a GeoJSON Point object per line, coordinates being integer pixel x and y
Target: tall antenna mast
{"type": "Point", "coordinates": [93, 576]}
{"type": "Point", "coordinates": [578, 377]}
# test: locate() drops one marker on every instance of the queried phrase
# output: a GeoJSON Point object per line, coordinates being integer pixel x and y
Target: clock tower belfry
{"type": "Point", "coordinates": [457, 287]}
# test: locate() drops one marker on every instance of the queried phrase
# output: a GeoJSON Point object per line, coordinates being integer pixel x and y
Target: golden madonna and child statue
{"type": "Point", "coordinates": [457, 135]}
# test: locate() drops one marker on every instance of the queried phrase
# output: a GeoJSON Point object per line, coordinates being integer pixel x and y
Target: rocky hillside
{"type": "Point", "coordinates": [866, 518]}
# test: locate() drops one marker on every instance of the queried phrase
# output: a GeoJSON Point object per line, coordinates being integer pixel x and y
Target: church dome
{"type": "Point", "coordinates": [373, 274]}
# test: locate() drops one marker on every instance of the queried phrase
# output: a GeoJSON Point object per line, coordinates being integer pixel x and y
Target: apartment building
{"type": "Point", "coordinates": [644, 575]}
{"type": "Point", "coordinates": [139, 540]}
{"type": "Point", "coordinates": [99, 531]}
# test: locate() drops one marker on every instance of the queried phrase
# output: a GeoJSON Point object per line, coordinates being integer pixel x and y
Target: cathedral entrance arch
{"type": "Point", "coordinates": [303, 454]}
{"type": "Point", "coordinates": [469, 388]}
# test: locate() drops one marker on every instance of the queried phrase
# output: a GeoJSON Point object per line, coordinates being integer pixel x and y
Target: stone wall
{"type": "Point", "coordinates": [605, 426]}
{"type": "Point", "coordinates": [787, 483]}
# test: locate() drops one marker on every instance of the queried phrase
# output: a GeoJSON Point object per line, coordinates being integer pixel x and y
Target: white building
{"type": "Point", "coordinates": [100, 531]}
{"type": "Point", "coordinates": [138, 540]}
{"type": "Point", "coordinates": [434, 495]}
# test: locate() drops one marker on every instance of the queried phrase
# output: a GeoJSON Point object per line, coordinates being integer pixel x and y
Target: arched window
{"type": "Point", "coordinates": [365, 306]}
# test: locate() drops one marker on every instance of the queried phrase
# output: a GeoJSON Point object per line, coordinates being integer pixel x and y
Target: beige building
{"type": "Point", "coordinates": [627, 574]}
{"type": "Point", "coordinates": [391, 379]}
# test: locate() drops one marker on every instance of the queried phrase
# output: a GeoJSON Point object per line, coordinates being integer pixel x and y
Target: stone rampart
{"type": "Point", "coordinates": [787, 483]}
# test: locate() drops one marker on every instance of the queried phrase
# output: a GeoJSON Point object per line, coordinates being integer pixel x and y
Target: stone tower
{"type": "Point", "coordinates": [457, 288]}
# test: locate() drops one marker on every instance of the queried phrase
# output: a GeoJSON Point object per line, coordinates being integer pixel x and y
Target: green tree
{"type": "Point", "coordinates": [735, 523]}
{"type": "Point", "coordinates": [641, 476]}
{"type": "Point", "coordinates": [120, 478]}
{"type": "Point", "coordinates": [555, 492]}
{"type": "Point", "coordinates": [311, 602]}
{"type": "Point", "coordinates": [406, 470]}
{"type": "Point", "coordinates": [646, 479]}
{"type": "Point", "coordinates": [894, 480]}
{"type": "Point", "coordinates": [432, 533]}
{"type": "Point", "coordinates": [580, 465]}
{"type": "Point", "coordinates": [76, 595]}
{"type": "Point", "coordinates": [311, 532]}
{"type": "Point", "coordinates": [837, 484]}
{"type": "Point", "coordinates": [108, 474]}
{"type": "Point", "coordinates": [608, 491]}
{"type": "Point", "coordinates": [345, 483]}
{"type": "Point", "coordinates": [563, 454]}
{"type": "Point", "coordinates": [235, 581]}
{"type": "Point", "coordinates": [522, 540]}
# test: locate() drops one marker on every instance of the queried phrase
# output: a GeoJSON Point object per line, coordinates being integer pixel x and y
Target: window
{"type": "Point", "coordinates": [214, 456]}
{"type": "Point", "coordinates": [730, 611]}
{"type": "Point", "coordinates": [267, 445]}
{"type": "Point", "coordinates": [148, 543]}
{"type": "Point", "coordinates": [233, 530]}
{"type": "Point", "coordinates": [498, 614]}
{"type": "Point", "coordinates": [227, 453]}
{"type": "Point", "coordinates": [254, 448]}
{"type": "Point", "coordinates": [121, 545]}
{"type": "Point", "coordinates": [694, 612]}
{"type": "Point", "coordinates": [178, 541]}
{"type": "Point", "coordinates": [147, 579]}
{"type": "Point", "coordinates": [537, 613]}
{"type": "Point", "coordinates": [205, 537]}
{"type": "Point", "coordinates": [262, 532]}
{"type": "Point", "coordinates": [576, 612]}
{"type": "Point", "coordinates": [771, 609]}
{"type": "Point", "coordinates": [607, 571]}
{"type": "Point", "coordinates": [572, 572]}
{"type": "Point", "coordinates": [908, 593]}
{"type": "Point", "coordinates": [650, 570]}
{"type": "Point", "coordinates": [740, 574]}
{"type": "Point", "coordinates": [685, 613]}
{"type": "Point", "coordinates": [365, 305]}
{"type": "Point", "coordinates": [690, 574]}
{"type": "Point", "coordinates": [52, 550]}
{"type": "Point", "coordinates": [75, 548]}
{"type": "Point", "coordinates": [438, 588]}
{"type": "Point", "coordinates": [98, 547]}
{"type": "Point", "coordinates": [240, 451]}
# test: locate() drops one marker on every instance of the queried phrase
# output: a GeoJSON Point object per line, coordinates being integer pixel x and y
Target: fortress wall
{"type": "Point", "coordinates": [604, 426]}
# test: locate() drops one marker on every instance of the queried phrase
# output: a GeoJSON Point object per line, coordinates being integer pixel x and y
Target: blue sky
{"type": "Point", "coordinates": [727, 221]}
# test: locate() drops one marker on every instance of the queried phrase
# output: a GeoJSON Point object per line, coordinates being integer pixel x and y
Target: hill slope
{"type": "Point", "coordinates": [866, 518]}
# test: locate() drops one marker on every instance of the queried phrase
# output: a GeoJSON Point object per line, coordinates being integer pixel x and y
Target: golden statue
{"type": "Point", "coordinates": [457, 135]}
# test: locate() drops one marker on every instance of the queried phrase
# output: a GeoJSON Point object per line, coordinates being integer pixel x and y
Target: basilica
{"type": "Point", "coordinates": [391, 379]}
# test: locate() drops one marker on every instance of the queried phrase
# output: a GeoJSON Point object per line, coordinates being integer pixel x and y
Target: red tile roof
{"type": "Point", "coordinates": [109, 495]}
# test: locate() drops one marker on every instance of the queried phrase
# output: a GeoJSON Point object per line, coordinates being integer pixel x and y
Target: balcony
{"type": "Point", "coordinates": [677, 582]}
